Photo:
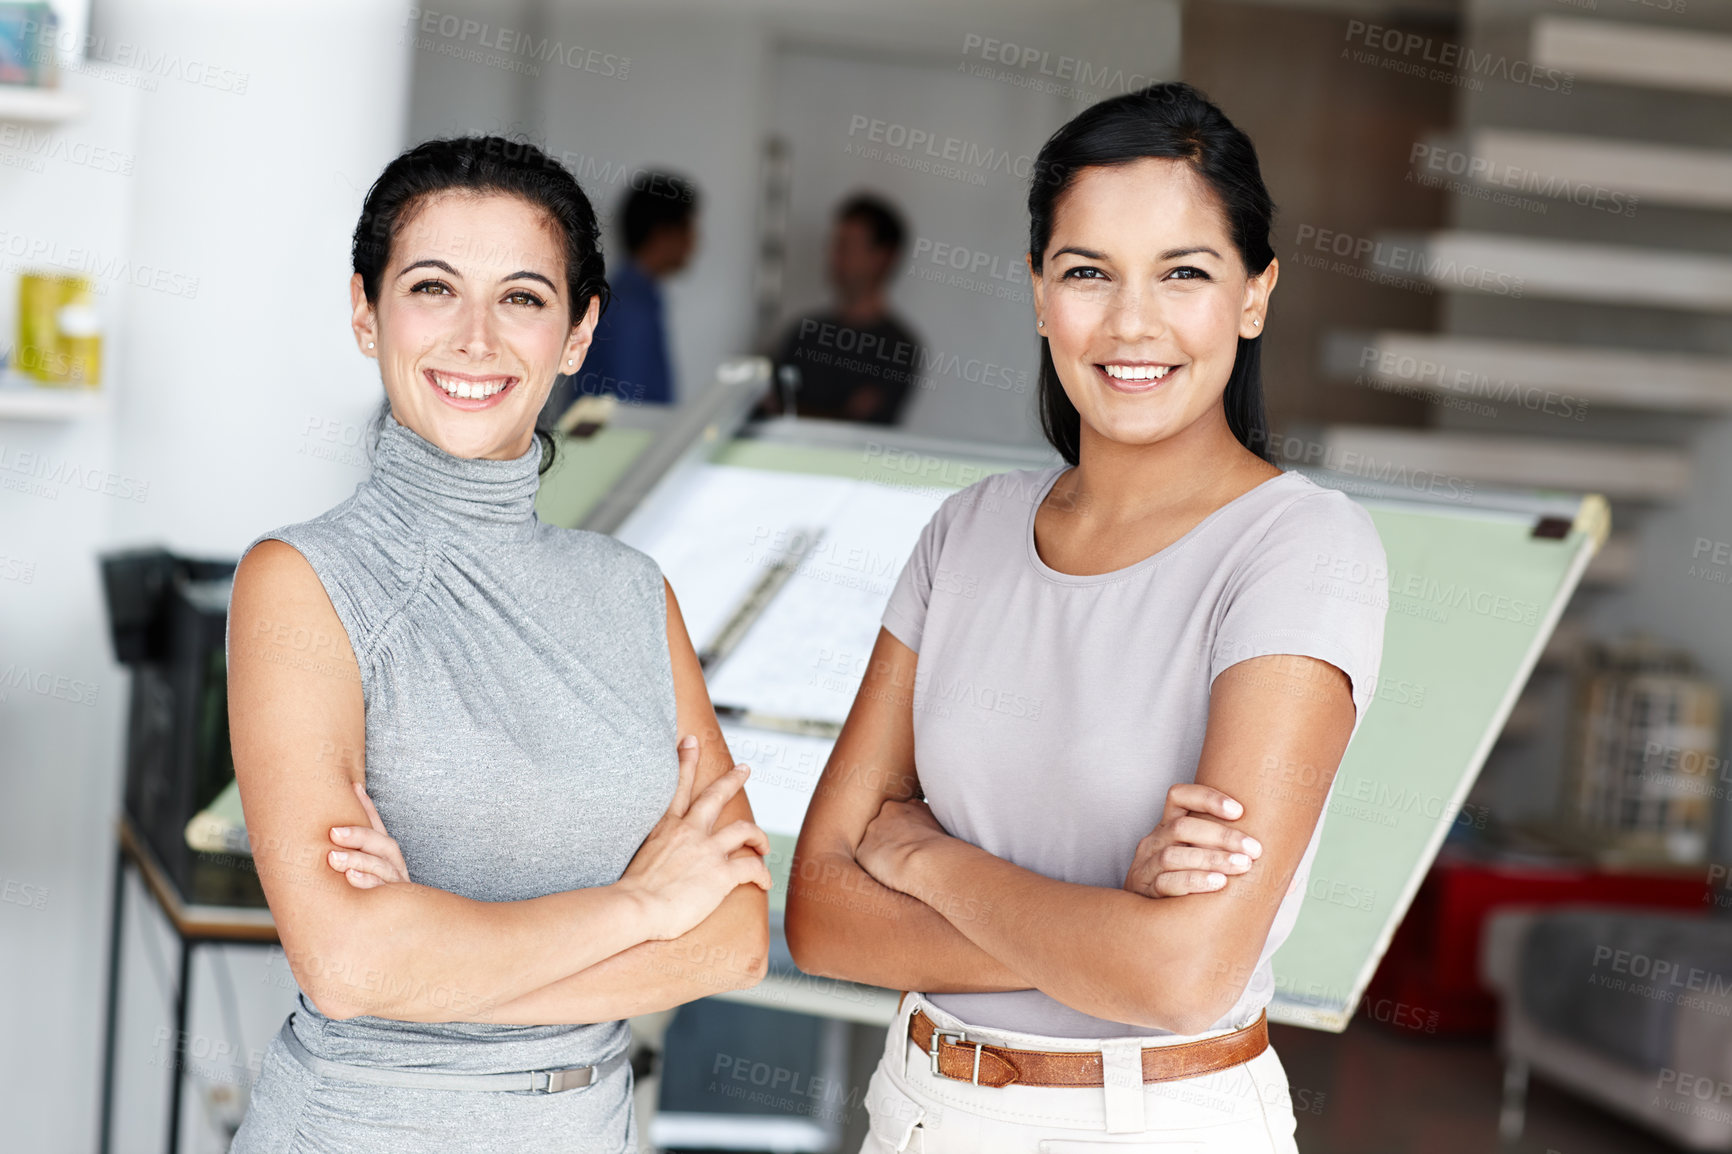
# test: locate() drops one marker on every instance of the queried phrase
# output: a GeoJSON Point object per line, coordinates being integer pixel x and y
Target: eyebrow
{"type": "Point", "coordinates": [1170, 254]}
{"type": "Point", "coordinates": [520, 274]}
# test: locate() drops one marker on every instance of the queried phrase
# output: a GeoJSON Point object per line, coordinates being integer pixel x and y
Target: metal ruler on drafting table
{"type": "Point", "coordinates": [752, 607]}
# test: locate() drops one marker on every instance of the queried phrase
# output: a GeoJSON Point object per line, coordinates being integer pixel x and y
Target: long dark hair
{"type": "Point", "coordinates": [482, 164]}
{"type": "Point", "coordinates": [1176, 122]}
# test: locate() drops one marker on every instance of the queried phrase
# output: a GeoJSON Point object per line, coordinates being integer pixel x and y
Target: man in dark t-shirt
{"type": "Point", "coordinates": [856, 361]}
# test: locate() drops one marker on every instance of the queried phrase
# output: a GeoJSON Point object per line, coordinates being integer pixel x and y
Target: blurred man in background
{"type": "Point", "coordinates": [629, 355]}
{"type": "Point", "coordinates": [856, 361]}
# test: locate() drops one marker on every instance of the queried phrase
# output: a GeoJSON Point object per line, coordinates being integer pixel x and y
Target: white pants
{"type": "Point", "coordinates": [1244, 1109]}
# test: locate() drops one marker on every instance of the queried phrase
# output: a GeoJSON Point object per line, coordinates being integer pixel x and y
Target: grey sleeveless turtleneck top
{"type": "Point", "coordinates": [520, 741]}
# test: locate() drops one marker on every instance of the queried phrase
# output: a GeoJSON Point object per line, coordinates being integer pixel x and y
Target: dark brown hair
{"type": "Point", "coordinates": [483, 164]}
{"type": "Point", "coordinates": [1174, 121]}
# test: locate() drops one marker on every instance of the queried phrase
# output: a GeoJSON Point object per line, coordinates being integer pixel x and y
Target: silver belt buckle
{"type": "Point", "coordinates": [558, 1081]}
{"type": "Point", "coordinates": [960, 1038]}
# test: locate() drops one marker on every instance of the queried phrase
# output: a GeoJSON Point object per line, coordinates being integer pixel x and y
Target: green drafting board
{"type": "Point", "coordinates": [1475, 592]}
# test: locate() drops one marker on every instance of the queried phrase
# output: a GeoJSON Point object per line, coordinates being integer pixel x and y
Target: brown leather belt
{"type": "Point", "coordinates": [954, 1056]}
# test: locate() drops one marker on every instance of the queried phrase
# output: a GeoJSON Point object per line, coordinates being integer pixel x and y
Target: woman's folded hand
{"type": "Point", "coordinates": [900, 828]}
{"type": "Point", "coordinates": [367, 856]}
{"type": "Point", "coordinates": [686, 866]}
{"type": "Point", "coordinates": [1195, 848]}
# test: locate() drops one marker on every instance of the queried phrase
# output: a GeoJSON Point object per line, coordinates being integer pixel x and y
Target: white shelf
{"type": "Point", "coordinates": [20, 102]}
{"type": "Point", "coordinates": [1472, 367]}
{"type": "Point", "coordinates": [1505, 264]}
{"type": "Point", "coordinates": [1617, 52]}
{"type": "Point", "coordinates": [1616, 470]}
{"type": "Point", "coordinates": [1549, 164]}
{"type": "Point", "coordinates": [21, 400]}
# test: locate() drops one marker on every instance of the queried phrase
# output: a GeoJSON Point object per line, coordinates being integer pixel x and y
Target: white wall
{"type": "Point", "coordinates": [249, 143]}
{"type": "Point", "coordinates": [256, 195]}
{"type": "Point", "coordinates": [59, 757]}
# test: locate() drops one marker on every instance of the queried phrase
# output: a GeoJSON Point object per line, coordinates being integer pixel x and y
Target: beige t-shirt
{"type": "Point", "coordinates": [1052, 712]}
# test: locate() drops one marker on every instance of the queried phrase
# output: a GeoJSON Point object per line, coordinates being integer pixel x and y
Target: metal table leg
{"type": "Point", "coordinates": [182, 1000]}
{"type": "Point", "coordinates": [109, 1030]}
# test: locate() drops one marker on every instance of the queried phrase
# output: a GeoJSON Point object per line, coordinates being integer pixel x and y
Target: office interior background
{"type": "Point", "coordinates": [201, 165]}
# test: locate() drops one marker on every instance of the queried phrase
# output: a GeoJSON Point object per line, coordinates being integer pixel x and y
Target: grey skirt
{"type": "Point", "coordinates": [294, 1111]}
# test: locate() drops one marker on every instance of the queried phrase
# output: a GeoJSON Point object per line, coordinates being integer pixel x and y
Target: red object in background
{"type": "Point", "coordinates": [1428, 981]}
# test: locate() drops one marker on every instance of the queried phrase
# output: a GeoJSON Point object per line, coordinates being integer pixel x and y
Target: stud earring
{"type": "Point", "coordinates": [1258, 323]}
{"type": "Point", "coordinates": [571, 362]}
{"type": "Point", "coordinates": [369, 344]}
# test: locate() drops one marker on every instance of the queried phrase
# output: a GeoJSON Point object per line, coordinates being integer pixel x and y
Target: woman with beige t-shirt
{"type": "Point", "coordinates": [1148, 638]}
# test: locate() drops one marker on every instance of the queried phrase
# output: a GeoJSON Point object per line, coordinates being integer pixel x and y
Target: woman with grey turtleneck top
{"type": "Point", "coordinates": [480, 707]}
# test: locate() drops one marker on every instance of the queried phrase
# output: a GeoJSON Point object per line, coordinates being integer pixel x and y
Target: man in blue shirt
{"type": "Point", "coordinates": [629, 355]}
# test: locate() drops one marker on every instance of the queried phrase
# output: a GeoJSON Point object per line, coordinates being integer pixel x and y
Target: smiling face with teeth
{"type": "Point", "coordinates": [472, 322]}
{"type": "Point", "coordinates": [1144, 298]}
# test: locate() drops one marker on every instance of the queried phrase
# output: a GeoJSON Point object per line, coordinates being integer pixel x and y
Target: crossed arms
{"type": "Point", "coordinates": [688, 923]}
{"type": "Point", "coordinates": [1277, 728]}
{"type": "Point", "coordinates": [869, 851]}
